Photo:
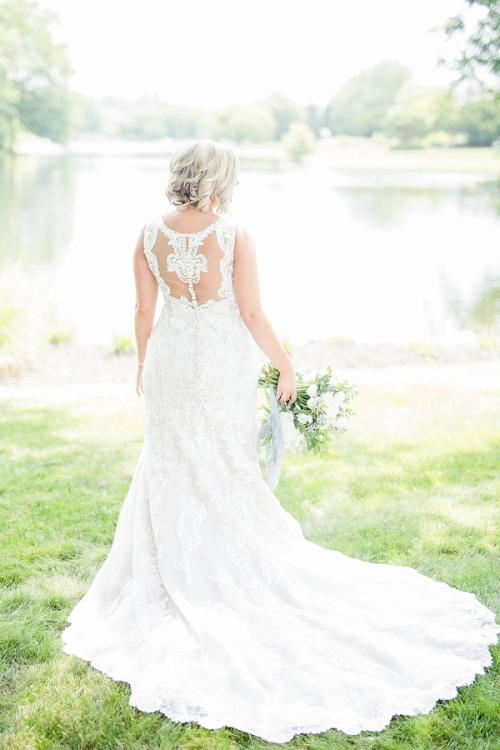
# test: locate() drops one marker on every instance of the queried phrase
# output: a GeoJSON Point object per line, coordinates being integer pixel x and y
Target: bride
{"type": "Point", "coordinates": [211, 604]}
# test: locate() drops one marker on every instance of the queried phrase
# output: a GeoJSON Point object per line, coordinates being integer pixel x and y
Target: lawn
{"type": "Point", "coordinates": [414, 482]}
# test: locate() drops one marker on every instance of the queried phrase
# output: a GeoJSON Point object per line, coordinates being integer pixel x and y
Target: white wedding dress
{"type": "Point", "coordinates": [211, 604]}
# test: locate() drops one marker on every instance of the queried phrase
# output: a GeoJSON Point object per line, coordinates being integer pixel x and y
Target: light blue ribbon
{"type": "Point", "coordinates": [275, 446]}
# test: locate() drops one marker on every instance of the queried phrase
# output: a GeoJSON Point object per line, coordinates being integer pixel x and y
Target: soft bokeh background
{"type": "Point", "coordinates": [370, 173]}
{"type": "Point", "coordinates": [369, 139]}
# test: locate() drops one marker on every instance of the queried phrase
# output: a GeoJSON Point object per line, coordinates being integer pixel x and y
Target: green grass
{"type": "Point", "coordinates": [413, 482]}
{"type": "Point", "coordinates": [349, 150]}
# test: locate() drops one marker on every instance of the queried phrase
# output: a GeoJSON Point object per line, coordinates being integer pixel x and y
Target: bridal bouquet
{"type": "Point", "coordinates": [321, 408]}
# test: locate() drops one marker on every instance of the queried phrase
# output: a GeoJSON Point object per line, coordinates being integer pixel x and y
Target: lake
{"type": "Point", "coordinates": [370, 254]}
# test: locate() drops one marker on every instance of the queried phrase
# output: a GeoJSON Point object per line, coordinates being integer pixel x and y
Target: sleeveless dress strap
{"type": "Point", "coordinates": [226, 235]}
{"type": "Point", "coordinates": [150, 235]}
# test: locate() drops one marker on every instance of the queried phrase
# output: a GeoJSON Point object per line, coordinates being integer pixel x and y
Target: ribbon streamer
{"type": "Point", "coordinates": [275, 446]}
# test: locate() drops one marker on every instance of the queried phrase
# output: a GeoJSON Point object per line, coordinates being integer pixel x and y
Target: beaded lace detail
{"type": "Point", "coordinates": [187, 262]}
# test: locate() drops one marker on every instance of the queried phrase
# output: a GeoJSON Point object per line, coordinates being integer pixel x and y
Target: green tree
{"type": "Point", "coordinates": [360, 105]}
{"type": "Point", "coordinates": [480, 121]}
{"type": "Point", "coordinates": [9, 120]}
{"type": "Point", "coordinates": [415, 113]}
{"type": "Point", "coordinates": [447, 113]}
{"type": "Point", "coordinates": [34, 73]}
{"type": "Point", "coordinates": [152, 118]}
{"type": "Point", "coordinates": [315, 118]}
{"type": "Point", "coordinates": [284, 111]}
{"type": "Point", "coordinates": [479, 46]}
{"type": "Point", "coordinates": [87, 115]}
{"type": "Point", "coordinates": [299, 141]}
{"type": "Point", "coordinates": [250, 123]}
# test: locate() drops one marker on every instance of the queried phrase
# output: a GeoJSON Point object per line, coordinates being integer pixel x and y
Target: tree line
{"type": "Point", "coordinates": [35, 96]}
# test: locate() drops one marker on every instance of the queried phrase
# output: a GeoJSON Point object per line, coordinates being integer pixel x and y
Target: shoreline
{"type": "Point", "coordinates": [336, 152]}
{"type": "Point", "coordinates": [76, 374]}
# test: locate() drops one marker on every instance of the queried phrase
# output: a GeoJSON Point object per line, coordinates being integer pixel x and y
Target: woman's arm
{"type": "Point", "coordinates": [146, 290]}
{"type": "Point", "coordinates": [247, 291]}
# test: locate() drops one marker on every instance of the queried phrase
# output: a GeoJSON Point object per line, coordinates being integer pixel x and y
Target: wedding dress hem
{"type": "Point", "coordinates": [185, 713]}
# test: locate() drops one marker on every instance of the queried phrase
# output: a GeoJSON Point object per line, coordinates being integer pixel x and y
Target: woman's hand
{"type": "Point", "coordinates": [286, 389]}
{"type": "Point", "coordinates": [139, 389]}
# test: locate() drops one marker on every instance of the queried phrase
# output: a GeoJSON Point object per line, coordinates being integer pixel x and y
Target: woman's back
{"type": "Point", "coordinates": [196, 265]}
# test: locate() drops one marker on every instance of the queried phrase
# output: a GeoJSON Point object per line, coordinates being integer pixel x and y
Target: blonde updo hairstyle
{"type": "Point", "coordinates": [200, 172]}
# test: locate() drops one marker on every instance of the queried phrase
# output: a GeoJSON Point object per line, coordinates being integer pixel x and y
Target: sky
{"type": "Point", "coordinates": [228, 52]}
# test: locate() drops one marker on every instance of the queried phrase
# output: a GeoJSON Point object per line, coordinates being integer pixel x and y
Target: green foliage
{"type": "Point", "coordinates": [361, 103]}
{"type": "Point", "coordinates": [143, 119]}
{"type": "Point", "coordinates": [244, 124]}
{"type": "Point", "coordinates": [419, 112]}
{"type": "Point", "coordinates": [479, 55]}
{"type": "Point", "coordinates": [61, 336]}
{"type": "Point", "coordinates": [87, 115]}
{"type": "Point", "coordinates": [413, 115]}
{"type": "Point", "coordinates": [284, 111]}
{"type": "Point", "coordinates": [299, 141]}
{"type": "Point", "coordinates": [314, 417]}
{"type": "Point", "coordinates": [315, 118]}
{"type": "Point", "coordinates": [9, 121]}
{"type": "Point", "coordinates": [17, 332]}
{"type": "Point", "coordinates": [480, 120]}
{"type": "Point", "coordinates": [46, 112]}
{"type": "Point", "coordinates": [122, 345]}
{"type": "Point", "coordinates": [34, 72]}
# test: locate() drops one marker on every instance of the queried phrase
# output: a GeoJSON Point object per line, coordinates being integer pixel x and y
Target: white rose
{"type": "Point", "coordinates": [328, 398]}
{"type": "Point", "coordinates": [332, 406]}
{"type": "Point", "coordinates": [339, 397]}
{"type": "Point", "coordinates": [304, 418]}
{"type": "Point", "coordinates": [312, 401]}
{"type": "Point", "coordinates": [312, 390]}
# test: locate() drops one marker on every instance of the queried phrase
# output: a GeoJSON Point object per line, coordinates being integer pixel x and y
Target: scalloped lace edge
{"type": "Point", "coordinates": [443, 692]}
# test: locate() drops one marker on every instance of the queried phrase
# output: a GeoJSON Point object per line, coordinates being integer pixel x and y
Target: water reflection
{"type": "Point", "coordinates": [480, 312]}
{"type": "Point", "coordinates": [368, 254]}
{"type": "Point", "coordinates": [37, 197]}
{"type": "Point", "coordinates": [391, 204]}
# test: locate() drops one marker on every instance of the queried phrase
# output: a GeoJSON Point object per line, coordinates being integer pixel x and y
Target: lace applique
{"type": "Point", "coordinates": [150, 235]}
{"type": "Point", "coordinates": [187, 263]}
{"type": "Point", "coordinates": [185, 260]}
{"type": "Point", "coordinates": [226, 236]}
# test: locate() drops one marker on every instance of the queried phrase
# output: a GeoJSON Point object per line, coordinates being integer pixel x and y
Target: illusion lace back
{"type": "Point", "coordinates": [194, 265]}
{"type": "Point", "coordinates": [211, 604]}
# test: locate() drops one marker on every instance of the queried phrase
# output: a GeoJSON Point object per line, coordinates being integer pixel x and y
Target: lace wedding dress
{"type": "Point", "coordinates": [211, 604]}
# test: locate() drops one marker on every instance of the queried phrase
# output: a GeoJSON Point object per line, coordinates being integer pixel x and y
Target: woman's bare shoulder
{"type": "Point", "coordinates": [243, 243]}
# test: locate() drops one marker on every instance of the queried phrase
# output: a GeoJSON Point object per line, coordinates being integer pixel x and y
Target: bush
{"type": "Point", "coordinates": [122, 345]}
{"type": "Point", "coordinates": [22, 301]}
{"type": "Point", "coordinates": [299, 141]}
{"type": "Point", "coordinates": [61, 336]}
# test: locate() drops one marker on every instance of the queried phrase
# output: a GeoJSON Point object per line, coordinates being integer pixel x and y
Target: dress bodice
{"type": "Point", "coordinates": [194, 267]}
